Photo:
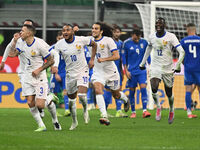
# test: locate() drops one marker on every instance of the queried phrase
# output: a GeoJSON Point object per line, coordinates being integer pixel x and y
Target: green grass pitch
{"type": "Point", "coordinates": [17, 132]}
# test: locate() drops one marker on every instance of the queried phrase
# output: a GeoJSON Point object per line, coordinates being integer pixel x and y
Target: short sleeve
{"type": "Point", "coordinates": [111, 45]}
{"type": "Point", "coordinates": [86, 40]}
{"type": "Point", "coordinates": [174, 41]}
{"type": "Point", "coordinates": [44, 49]}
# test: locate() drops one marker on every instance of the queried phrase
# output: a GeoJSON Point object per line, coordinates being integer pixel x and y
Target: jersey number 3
{"type": "Point", "coordinates": [192, 49]}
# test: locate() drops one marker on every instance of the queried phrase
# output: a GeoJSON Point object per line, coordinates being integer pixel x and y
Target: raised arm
{"type": "Point", "coordinates": [94, 50]}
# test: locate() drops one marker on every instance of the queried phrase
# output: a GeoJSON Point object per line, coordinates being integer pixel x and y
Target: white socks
{"type": "Point", "coordinates": [83, 99]}
{"type": "Point", "coordinates": [36, 115]}
{"type": "Point", "coordinates": [102, 105]}
{"type": "Point", "coordinates": [52, 109]}
{"type": "Point", "coordinates": [72, 108]}
{"type": "Point", "coordinates": [156, 99]}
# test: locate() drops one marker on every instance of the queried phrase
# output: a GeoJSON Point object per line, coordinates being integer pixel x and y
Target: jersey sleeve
{"type": "Point", "coordinates": [44, 49]}
{"type": "Point", "coordinates": [112, 46]}
{"type": "Point", "coordinates": [86, 40]}
{"type": "Point", "coordinates": [174, 41]}
{"type": "Point", "coordinates": [124, 54]}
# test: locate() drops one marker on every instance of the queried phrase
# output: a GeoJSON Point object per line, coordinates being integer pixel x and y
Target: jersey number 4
{"type": "Point", "coordinates": [192, 49]}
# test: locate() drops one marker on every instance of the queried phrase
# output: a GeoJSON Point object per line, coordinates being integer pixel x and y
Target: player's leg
{"type": "Point", "coordinates": [168, 80]}
{"type": "Point", "coordinates": [132, 102]}
{"type": "Point", "coordinates": [107, 97]}
{"type": "Point", "coordinates": [154, 87]}
{"type": "Point", "coordinates": [66, 102]}
{"type": "Point", "coordinates": [142, 80]}
{"type": "Point", "coordinates": [82, 94]}
{"type": "Point", "coordinates": [90, 97]}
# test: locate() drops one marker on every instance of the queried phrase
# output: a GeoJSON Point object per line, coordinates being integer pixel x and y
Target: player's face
{"type": "Point", "coordinates": [59, 37]}
{"type": "Point", "coordinates": [25, 33]}
{"type": "Point", "coordinates": [135, 38]}
{"type": "Point", "coordinates": [160, 25]}
{"type": "Point", "coordinates": [116, 33]}
{"type": "Point", "coordinates": [96, 32]}
{"type": "Point", "coordinates": [68, 32]}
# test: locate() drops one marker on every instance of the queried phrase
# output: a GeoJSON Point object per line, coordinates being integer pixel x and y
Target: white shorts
{"type": "Point", "coordinates": [40, 90]}
{"type": "Point", "coordinates": [112, 80]}
{"type": "Point", "coordinates": [168, 78]}
{"type": "Point", "coordinates": [73, 82]}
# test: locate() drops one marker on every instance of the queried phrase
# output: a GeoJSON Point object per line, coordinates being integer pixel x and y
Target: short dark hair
{"type": "Point", "coordinates": [190, 25]}
{"type": "Point", "coordinates": [69, 25]}
{"type": "Point", "coordinates": [30, 28]}
{"type": "Point", "coordinates": [116, 27]}
{"type": "Point", "coordinates": [162, 19]}
{"type": "Point", "coordinates": [30, 21]}
{"type": "Point", "coordinates": [137, 32]}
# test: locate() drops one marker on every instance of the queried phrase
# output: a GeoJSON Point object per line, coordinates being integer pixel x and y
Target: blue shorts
{"type": "Point", "coordinates": [57, 87]}
{"type": "Point", "coordinates": [139, 78]}
{"type": "Point", "coordinates": [191, 77]}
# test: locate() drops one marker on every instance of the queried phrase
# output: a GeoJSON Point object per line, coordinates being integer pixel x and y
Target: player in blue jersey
{"type": "Point", "coordinates": [58, 81]}
{"type": "Point", "coordinates": [133, 51]}
{"type": "Point", "coordinates": [191, 46]}
{"type": "Point", "coordinates": [107, 93]}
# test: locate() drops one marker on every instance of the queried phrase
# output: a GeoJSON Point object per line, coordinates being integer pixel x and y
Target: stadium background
{"type": "Point", "coordinates": [59, 12]}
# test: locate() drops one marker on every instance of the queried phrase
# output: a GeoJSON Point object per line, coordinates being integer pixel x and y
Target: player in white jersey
{"type": "Point", "coordinates": [77, 71]}
{"type": "Point", "coordinates": [162, 64]}
{"type": "Point", "coordinates": [105, 71]}
{"type": "Point", "coordinates": [35, 86]}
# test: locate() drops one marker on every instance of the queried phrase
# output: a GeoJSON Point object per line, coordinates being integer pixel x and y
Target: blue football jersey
{"type": "Point", "coordinates": [133, 54]}
{"type": "Point", "coordinates": [191, 46]}
{"type": "Point", "coordinates": [88, 56]}
{"type": "Point", "coordinates": [119, 61]}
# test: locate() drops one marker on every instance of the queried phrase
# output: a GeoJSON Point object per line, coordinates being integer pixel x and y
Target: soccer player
{"type": "Point", "coordinates": [118, 62]}
{"type": "Point", "coordinates": [191, 46]}
{"type": "Point", "coordinates": [72, 50]}
{"type": "Point", "coordinates": [35, 86]}
{"type": "Point", "coordinates": [161, 67]}
{"type": "Point", "coordinates": [105, 71]}
{"type": "Point", "coordinates": [58, 81]}
{"type": "Point", "coordinates": [133, 51]}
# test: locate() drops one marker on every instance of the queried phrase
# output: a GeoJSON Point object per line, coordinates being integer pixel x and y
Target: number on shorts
{"type": "Point", "coordinates": [85, 80]}
{"type": "Point", "coordinates": [159, 52]}
{"type": "Point", "coordinates": [41, 90]}
{"type": "Point", "coordinates": [73, 57]}
{"type": "Point", "coordinates": [192, 49]}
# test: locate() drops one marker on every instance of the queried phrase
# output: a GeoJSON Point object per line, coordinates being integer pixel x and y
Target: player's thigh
{"type": "Point", "coordinates": [188, 78]}
{"type": "Point", "coordinates": [27, 89]}
{"type": "Point", "coordinates": [41, 90]}
{"type": "Point", "coordinates": [168, 79]}
{"type": "Point", "coordinates": [142, 80]}
{"type": "Point", "coordinates": [71, 86]}
{"type": "Point", "coordinates": [132, 83]}
{"type": "Point", "coordinates": [113, 81]}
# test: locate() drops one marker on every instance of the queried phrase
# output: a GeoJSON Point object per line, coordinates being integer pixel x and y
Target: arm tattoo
{"type": "Point", "coordinates": [50, 61]}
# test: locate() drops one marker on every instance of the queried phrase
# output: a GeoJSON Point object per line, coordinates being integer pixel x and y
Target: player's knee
{"type": "Point", "coordinates": [82, 96]}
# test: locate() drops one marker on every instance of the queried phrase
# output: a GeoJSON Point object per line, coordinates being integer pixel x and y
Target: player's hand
{"type": "Point", "coordinates": [2, 65]}
{"type": "Point", "coordinates": [91, 63]}
{"type": "Point", "coordinates": [36, 72]}
{"type": "Point", "coordinates": [54, 70]}
{"type": "Point", "coordinates": [75, 28]}
{"type": "Point", "coordinates": [128, 74]}
{"type": "Point", "coordinates": [100, 60]}
{"type": "Point", "coordinates": [58, 78]}
{"type": "Point", "coordinates": [16, 36]}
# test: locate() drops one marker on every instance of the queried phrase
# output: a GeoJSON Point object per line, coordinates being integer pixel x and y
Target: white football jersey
{"type": "Point", "coordinates": [73, 54]}
{"type": "Point", "coordinates": [161, 55]}
{"type": "Point", "coordinates": [105, 47]}
{"type": "Point", "coordinates": [34, 58]}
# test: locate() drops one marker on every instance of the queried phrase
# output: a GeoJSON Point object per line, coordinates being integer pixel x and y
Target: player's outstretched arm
{"type": "Point", "coordinates": [180, 59]}
{"type": "Point", "coordinates": [146, 55]}
{"type": "Point", "coordinates": [94, 50]}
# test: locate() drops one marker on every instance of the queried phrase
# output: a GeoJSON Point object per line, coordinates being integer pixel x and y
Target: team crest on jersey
{"type": "Point", "coordinates": [78, 47]}
{"type": "Point", "coordinates": [142, 45]}
{"type": "Point", "coordinates": [164, 42]}
{"type": "Point", "coordinates": [102, 46]}
{"type": "Point", "coordinates": [33, 53]}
